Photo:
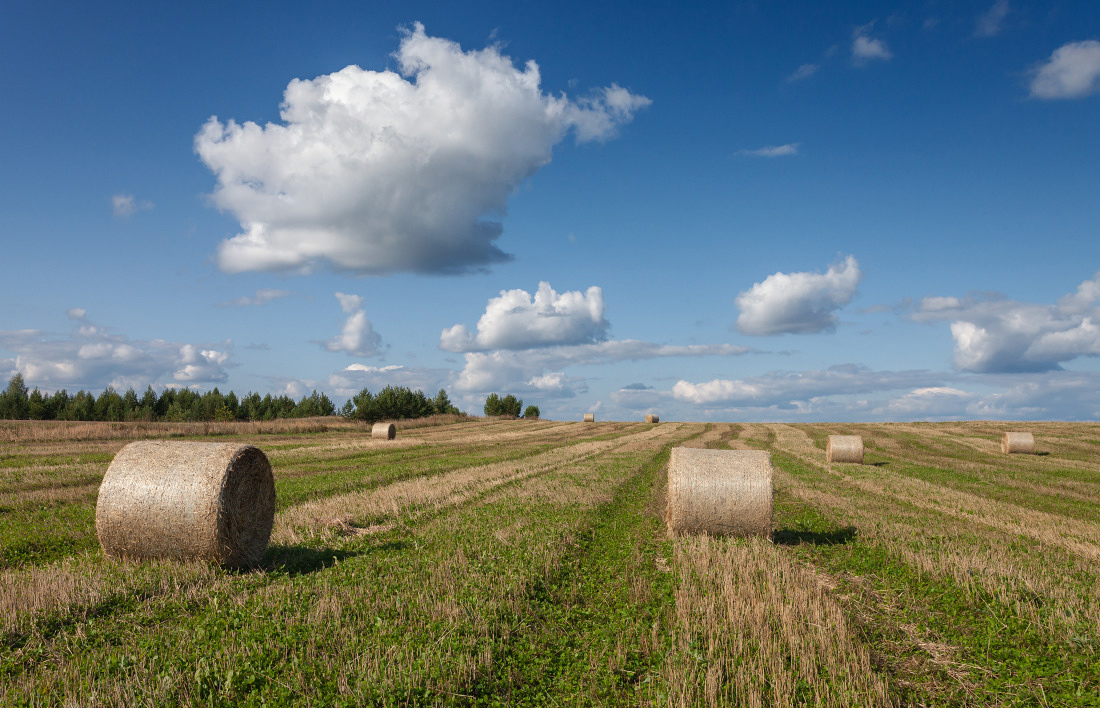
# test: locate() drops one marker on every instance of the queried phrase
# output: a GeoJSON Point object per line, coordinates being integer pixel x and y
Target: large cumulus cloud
{"type": "Point", "coordinates": [377, 172]}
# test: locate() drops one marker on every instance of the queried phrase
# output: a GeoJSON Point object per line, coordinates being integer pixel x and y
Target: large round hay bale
{"type": "Point", "coordinates": [383, 431]}
{"type": "Point", "coordinates": [844, 448]}
{"type": "Point", "coordinates": [719, 492]}
{"type": "Point", "coordinates": [1018, 442]}
{"type": "Point", "coordinates": [589, 417]}
{"type": "Point", "coordinates": [652, 418]}
{"type": "Point", "coordinates": [188, 501]}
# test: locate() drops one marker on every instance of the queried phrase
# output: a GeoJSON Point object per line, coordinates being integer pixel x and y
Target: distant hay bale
{"type": "Point", "coordinates": [383, 431]}
{"type": "Point", "coordinates": [187, 501]}
{"type": "Point", "coordinates": [719, 492]}
{"type": "Point", "coordinates": [1018, 442]}
{"type": "Point", "coordinates": [844, 448]}
{"type": "Point", "coordinates": [653, 418]}
{"type": "Point", "coordinates": [589, 417]}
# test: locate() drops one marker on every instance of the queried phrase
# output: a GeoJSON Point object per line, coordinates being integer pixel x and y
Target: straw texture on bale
{"type": "Point", "coordinates": [719, 492]}
{"type": "Point", "coordinates": [844, 448]}
{"type": "Point", "coordinates": [383, 431]}
{"type": "Point", "coordinates": [652, 418]}
{"type": "Point", "coordinates": [187, 501]}
{"type": "Point", "coordinates": [589, 417]}
{"type": "Point", "coordinates": [1018, 442]}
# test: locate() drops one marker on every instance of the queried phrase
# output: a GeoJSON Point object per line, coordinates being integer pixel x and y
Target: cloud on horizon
{"type": "Point", "coordinates": [92, 358]}
{"type": "Point", "coordinates": [996, 335]}
{"type": "Point", "coordinates": [378, 172]}
{"type": "Point", "coordinates": [798, 303]}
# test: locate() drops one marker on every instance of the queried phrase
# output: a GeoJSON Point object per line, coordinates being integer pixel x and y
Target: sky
{"type": "Point", "coordinates": [759, 211]}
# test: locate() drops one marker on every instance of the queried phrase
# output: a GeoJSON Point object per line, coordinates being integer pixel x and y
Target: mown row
{"type": "Point", "coordinates": [526, 563]}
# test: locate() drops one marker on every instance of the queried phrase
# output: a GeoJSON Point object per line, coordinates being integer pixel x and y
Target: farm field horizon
{"type": "Point", "coordinates": [527, 563]}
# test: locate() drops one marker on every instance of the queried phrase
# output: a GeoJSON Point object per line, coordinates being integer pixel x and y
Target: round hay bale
{"type": "Point", "coordinates": [383, 431]}
{"type": "Point", "coordinates": [719, 492]}
{"type": "Point", "coordinates": [187, 501]}
{"type": "Point", "coordinates": [589, 417]}
{"type": "Point", "coordinates": [1018, 442]}
{"type": "Point", "coordinates": [844, 448]}
{"type": "Point", "coordinates": [652, 418]}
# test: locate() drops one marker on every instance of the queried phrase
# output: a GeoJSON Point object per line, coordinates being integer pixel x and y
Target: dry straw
{"type": "Point", "coordinates": [383, 431]}
{"type": "Point", "coordinates": [188, 501]}
{"type": "Point", "coordinates": [589, 417]}
{"type": "Point", "coordinates": [844, 448]}
{"type": "Point", "coordinates": [652, 418]}
{"type": "Point", "coordinates": [719, 492]}
{"type": "Point", "coordinates": [1018, 442]}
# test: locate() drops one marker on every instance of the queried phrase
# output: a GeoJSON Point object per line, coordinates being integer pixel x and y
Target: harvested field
{"type": "Point", "coordinates": [527, 563]}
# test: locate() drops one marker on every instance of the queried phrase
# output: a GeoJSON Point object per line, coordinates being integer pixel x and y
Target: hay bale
{"type": "Point", "coordinates": [719, 492]}
{"type": "Point", "coordinates": [383, 431]}
{"type": "Point", "coordinates": [187, 501]}
{"type": "Point", "coordinates": [652, 418]}
{"type": "Point", "coordinates": [589, 417]}
{"type": "Point", "coordinates": [844, 448]}
{"type": "Point", "coordinates": [1018, 443]}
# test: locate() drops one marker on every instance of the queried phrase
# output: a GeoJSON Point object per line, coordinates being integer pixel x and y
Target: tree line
{"type": "Point", "coordinates": [180, 405]}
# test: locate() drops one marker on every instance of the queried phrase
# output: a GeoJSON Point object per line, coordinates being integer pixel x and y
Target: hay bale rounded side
{"type": "Point", "coordinates": [719, 492]}
{"type": "Point", "coordinates": [187, 501]}
{"type": "Point", "coordinates": [1018, 443]}
{"type": "Point", "coordinates": [652, 418]}
{"type": "Point", "coordinates": [844, 448]}
{"type": "Point", "coordinates": [589, 417]}
{"type": "Point", "coordinates": [383, 431]}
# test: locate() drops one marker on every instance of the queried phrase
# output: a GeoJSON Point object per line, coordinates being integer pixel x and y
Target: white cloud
{"type": "Point", "coordinates": [772, 150]}
{"type": "Point", "coordinates": [524, 370]}
{"type": "Point", "coordinates": [866, 48]}
{"type": "Point", "coordinates": [803, 72]}
{"type": "Point", "coordinates": [92, 358]}
{"type": "Point", "coordinates": [938, 402]}
{"type": "Point", "coordinates": [356, 377]}
{"type": "Point", "coordinates": [1073, 71]}
{"type": "Point", "coordinates": [262, 297]}
{"type": "Point", "coordinates": [990, 22]}
{"type": "Point", "coordinates": [787, 388]}
{"type": "Point", "coordinates": [378, 172]}
{"type": "Point", "coordinates": [996, 335]}
{"type": "Point", "coordinates": [516, 320]}
{"type": "Point", "coordinates": [357, 337]}
{"type": "Point", "coordinates": [798, 303]}
{"type": "Point", "coordinates": [125, 205]}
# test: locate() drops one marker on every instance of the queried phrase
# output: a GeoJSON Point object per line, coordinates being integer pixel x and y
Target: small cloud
{"type": "Point", "coordinates": [991, 22]}
{"type": "Point", "coordinates": [262, 297]}
{"type": "Point", "coordinates": [866, 49]}
{"type": "Point", "coordinates": [803, 72]}
{"type": "Point", "coordinates": [357, 336]}
{"type": "Point", "coordinates": [125, 205]}
{"type": "Point", "coordinates": [261, 347]}
{"type": "Point", "coordinates": [1073, 71]}
{"type": "Point", "coordinates": [798, 303]}
{"type": "Point", "coordinates": [637, 387]}
{"type": "Point", "coordinates": [76, 313]}
{"type": "Point", "coordinates": [773, 150]}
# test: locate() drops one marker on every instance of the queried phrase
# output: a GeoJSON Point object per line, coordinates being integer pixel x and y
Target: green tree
{"type": "Point", "coordinates": [14, 401]}
{"type": "Point", "coordinates": [442, 404]}
{"type": "Point", "coordinates": [507, 406]}
{"type": "Point", "coordinates": [37, 408]}
{"type": "Point", "coordinates": [531, 412]}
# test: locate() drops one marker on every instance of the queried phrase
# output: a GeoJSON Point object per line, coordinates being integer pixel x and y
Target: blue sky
{"type": "Point", "coordinates": [744, 211]}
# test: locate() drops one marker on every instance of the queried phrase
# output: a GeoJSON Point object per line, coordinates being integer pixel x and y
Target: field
{"type": "Point", "coordinates": [526, 563]}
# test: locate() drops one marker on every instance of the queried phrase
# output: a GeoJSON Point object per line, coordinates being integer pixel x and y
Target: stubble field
{"type": "Point", "coordinates": [519, 563]}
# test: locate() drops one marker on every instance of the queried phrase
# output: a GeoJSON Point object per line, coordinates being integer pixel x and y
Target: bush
{"type": "Point", "coordinates": [531, 412]}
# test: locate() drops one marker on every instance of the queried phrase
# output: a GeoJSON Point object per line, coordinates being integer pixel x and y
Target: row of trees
{"type": "Point", "coordinates": [171, 404]}
{"type": "Point", "coordinates": [509, 406]}
{"type": "Point", "coordinates": [395, 403]}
